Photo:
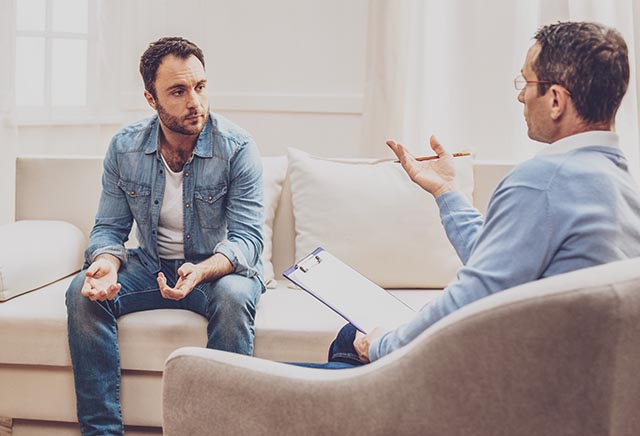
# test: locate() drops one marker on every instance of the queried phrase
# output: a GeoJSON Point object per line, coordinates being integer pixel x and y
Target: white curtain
{"type": "Point", "coordinates": [446, 67]}
{"type": "Point", "coordinates": [7, 131]}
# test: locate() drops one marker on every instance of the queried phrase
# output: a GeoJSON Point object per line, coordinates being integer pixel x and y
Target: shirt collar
{"type": "Point", "coordinates": [603, 138]}
{"type": "Point", "coordinates": [204, 145]}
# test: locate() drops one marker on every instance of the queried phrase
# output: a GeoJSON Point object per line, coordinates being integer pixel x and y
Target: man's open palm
{"type": "Point", "coordinates": [101, 282]}
{"type": "Point", "coordinates": [435, 176]}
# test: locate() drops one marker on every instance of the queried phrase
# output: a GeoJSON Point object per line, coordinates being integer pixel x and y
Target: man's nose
{"type": "Point", "coordinates": [193, 100]}
{"type": "Point", "coordinates": [521, 96]}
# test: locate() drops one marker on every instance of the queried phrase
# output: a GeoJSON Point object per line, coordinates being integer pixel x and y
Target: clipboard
{"type": "Point", "coordinates": [347, 292]}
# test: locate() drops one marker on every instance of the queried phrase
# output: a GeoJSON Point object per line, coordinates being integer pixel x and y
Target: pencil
{"type": "Point", "coordinates": [422, 158]}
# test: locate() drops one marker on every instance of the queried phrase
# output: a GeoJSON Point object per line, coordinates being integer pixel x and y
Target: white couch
{"type": "Point", "coordinates": [36, 382]}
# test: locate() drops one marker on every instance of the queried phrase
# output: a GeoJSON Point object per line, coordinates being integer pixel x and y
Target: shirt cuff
{"type": "Point", "coordinates": [235, 256]}
{"type": "Point", "coordinates": [374, 348]}
{"type": "Point", "coordinates": [454, 200]}
{"type": "Point", "coordinates": [115, 250]}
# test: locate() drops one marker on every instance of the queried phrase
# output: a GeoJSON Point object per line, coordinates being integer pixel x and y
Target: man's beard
{"type": "Point", "coordinates": [177, 125]}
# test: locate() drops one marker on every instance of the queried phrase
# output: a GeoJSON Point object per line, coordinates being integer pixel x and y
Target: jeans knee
{"type": "Point", "coordinates": [234, 295]}
{"type": "Point", "coordinates": [231, 310]}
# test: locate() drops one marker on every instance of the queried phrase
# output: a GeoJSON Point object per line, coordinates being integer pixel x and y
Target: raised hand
{"type": "Point", "coordinates": [101, 281]}
{"type": "Point", "coordinates": [434, 176]}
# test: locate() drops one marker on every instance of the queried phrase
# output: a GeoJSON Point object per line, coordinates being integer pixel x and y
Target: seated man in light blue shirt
{"type": "Point", "coordinates": [573, 206]}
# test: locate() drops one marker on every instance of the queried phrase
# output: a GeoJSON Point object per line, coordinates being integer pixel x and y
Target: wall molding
{"type": "Point", "coordinates": [257, 102]}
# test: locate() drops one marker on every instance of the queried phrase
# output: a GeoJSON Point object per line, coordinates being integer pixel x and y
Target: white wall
{"type": "Point", "coordinates": [291, 72]}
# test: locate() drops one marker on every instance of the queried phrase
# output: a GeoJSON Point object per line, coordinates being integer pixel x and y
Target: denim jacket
{"type": "Point", "coordinates": [222, 196]}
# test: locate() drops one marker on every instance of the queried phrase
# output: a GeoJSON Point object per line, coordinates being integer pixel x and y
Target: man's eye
{"type": "Point", "coordinates": [201, 87]}
{"type": "Point", "coordinates": [178, 92]}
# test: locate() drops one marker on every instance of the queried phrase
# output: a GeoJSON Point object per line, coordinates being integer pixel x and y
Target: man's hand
{"type": "Point", "coordinates": [434, 176]}
{"type": "Point", "coordinates": [101, 278]}
{"type": "Point", "coordinates": [362, 342]}
{"type": "Point", "coordinates": [189, 277]}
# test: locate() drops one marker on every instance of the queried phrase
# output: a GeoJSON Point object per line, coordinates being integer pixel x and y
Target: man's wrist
{"type": "Point", "coordinates": [201, 272]}
{"type": "Point", "coordinates": [106, 257]}
{"type": "Point", "coordinates": [443, 189]}
{"type": "Point", "coordinates": [213, 268]}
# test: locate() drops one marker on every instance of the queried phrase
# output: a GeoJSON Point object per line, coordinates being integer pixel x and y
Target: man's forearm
{"type": "Point", "coordinates": [462, 223]}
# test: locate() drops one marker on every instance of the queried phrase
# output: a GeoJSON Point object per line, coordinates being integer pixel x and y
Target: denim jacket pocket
{"type": "Point", "coordinates": [210, 206]}
{"type": "Point", "coordinates": [139, 199]}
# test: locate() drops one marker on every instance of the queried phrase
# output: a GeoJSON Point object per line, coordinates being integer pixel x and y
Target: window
{"type": "Point", "coordinates": [54, 58]}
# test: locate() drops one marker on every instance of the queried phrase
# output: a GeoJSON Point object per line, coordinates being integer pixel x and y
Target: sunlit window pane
{"type": "Point", "coordinates": [68, 72]}
{"type": "Point", "coordinates": [30, 15]}
{"type": "Point", "coordinates": [29, 71]}
{"type": "Point", "coordinates": [69, 15]}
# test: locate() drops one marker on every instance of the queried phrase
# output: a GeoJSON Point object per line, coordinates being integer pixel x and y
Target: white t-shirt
{"type": "Point", "coordinates": [170, 225]}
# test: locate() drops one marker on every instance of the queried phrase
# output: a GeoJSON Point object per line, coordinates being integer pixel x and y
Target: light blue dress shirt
{"type": "Point", "coordinates": [573, 206]}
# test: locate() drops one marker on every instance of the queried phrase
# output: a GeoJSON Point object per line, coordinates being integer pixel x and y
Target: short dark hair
{"type": "Point", "coordinates": [155, 53]}
{"type": "Point", "coordinates": [590, 60]}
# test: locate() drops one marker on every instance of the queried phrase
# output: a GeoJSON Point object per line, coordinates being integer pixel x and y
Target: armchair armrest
{"type": "Point", "coordinates": [214, 392]}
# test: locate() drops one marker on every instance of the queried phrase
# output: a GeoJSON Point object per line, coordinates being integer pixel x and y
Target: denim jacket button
{"type": "Point", "coordinates": [188, 236]}
{"type": "Point", "coordinates": [210, 197]}
{"type": "Point", "coordinates": [156, 202]}
{"type": "Point", "coordinates": [132, 193]}
{"type": "Point", "coordinates": [187, 205]}
{"type": "Point", "coordinates": [186, 174]}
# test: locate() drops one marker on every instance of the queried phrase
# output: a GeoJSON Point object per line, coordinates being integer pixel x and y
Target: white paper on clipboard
{"type": "Point", "coordinates": [354, 297]}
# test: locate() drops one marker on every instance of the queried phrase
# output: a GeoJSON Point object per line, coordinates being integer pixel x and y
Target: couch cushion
{"type": "Point", "coordinates": [370, 215]}
{"type": "Point", "coordinates": [36, 253]}
{"type": "Point", "coordinates": [290, 326]}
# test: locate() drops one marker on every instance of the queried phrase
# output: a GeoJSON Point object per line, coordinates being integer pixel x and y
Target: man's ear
{"type": "Point", "coordinates": [150, 99]}
{"type": "Point", "coordinates": [559, 101]}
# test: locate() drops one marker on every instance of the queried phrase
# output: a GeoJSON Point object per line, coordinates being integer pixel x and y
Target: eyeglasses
{"type": "Point", "coordinates": [520, 82]}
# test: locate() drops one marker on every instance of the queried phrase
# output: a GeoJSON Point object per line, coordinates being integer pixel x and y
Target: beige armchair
{"type": "Point", "coordinates": [558, 356]}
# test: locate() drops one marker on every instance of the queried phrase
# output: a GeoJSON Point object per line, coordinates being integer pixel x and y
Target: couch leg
{"type": "Point", "coordinates": [6, 426]}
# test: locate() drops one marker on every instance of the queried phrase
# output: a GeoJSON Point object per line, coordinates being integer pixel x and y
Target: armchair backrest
{"type": "Point", "coordinates": [556, 356]}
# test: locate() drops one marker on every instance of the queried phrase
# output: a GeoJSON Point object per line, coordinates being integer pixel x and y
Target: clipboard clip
{"type": "Point", "coordinates": [308, 262]}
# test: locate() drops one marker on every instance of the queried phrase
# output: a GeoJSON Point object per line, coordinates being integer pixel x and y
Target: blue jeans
{"type": "Point", "coordinates": [342, 354]}
{"type": "Point", "coordinates": [229, 304]}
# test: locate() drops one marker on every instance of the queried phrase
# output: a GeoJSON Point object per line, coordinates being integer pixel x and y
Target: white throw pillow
{"type": "Point", "coordinates": [36, 253]}
{"type": "Point", "coordinates": [370, 215]}
{"type": "Point", "coordinates": [274, 172]}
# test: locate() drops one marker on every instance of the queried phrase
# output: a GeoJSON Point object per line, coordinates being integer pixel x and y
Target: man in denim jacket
{"type": "Point", "coordinates": [192, 182]}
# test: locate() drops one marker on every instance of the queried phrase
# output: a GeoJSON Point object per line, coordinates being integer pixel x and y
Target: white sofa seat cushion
{"type": "Point", "coordinates": [290, 326]}
{"type": "Point", "coordinates": [370, 215]}
{"type": "Point", "coordinates": [36, 253]}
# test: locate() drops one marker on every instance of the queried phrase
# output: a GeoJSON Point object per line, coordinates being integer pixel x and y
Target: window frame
{"type": "Point", "coordinates": [47, 114]}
